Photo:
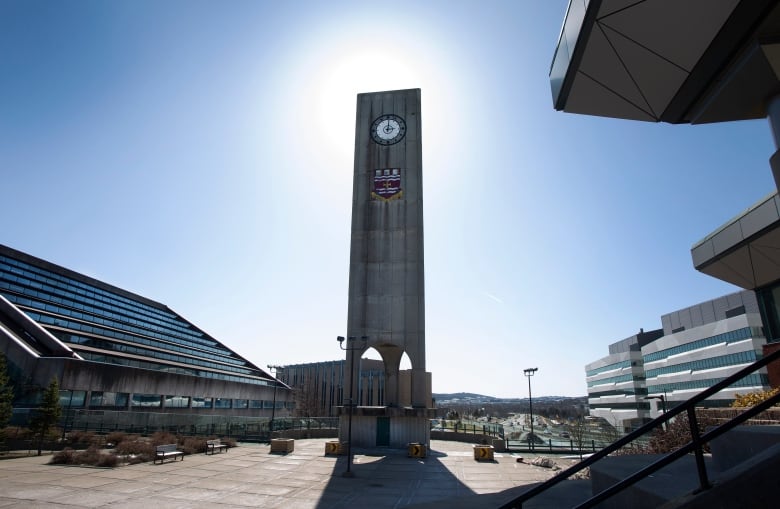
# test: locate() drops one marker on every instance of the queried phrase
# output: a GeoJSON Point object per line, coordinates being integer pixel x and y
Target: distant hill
{"type": "Point", "coordinates": [470, 397]}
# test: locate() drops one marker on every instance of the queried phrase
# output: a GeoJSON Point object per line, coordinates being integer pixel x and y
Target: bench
{"type": "Point", "coordinates": [167, 451]}
{"type": "Point", "coordinates": [214, 445]}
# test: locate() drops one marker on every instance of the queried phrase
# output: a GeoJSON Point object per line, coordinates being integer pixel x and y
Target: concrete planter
{"type": "Point", "coordinates": [334, 447]}
{"type": "Point", "coordinates": [483, 452]}
{"type": "Point", "coordinates": [282, 445]}
{"type": "Point", "coordinates": [417, 450]}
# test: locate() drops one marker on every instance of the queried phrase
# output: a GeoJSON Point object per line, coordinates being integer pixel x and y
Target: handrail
{"type": "Point", "coordinates": [695, 444]}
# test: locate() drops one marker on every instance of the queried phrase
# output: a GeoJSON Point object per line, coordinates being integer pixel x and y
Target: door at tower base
{"type": "Point", "coordinates": [387, 427]}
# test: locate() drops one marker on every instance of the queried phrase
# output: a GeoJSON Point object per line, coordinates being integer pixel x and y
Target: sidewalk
{"type": "Point", "coordinates": [248, 476]}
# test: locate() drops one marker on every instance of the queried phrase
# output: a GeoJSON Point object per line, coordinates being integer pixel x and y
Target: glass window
{"type": "Point", "coordinates": [201, 403]}
{"type": "Point", "coordinates": [240, 403]}
{"type": "Point", "coordinates": [177, 402]}
{"type": "Point", "coordinates": [73, 399]}
{"type": "Point", "coordinates": [256, 403]}
{"type": "Point", "coordinates": [147, 400]}
{"type": "Point", "coordinates": [222, 403]}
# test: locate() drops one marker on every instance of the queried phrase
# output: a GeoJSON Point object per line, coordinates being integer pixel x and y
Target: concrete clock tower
{"type": "Point", "coordinates": [386, 283]}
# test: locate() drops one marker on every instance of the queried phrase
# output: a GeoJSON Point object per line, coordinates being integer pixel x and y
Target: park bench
{"type": "Point", "coordinates": [214, 445]}
{"type": "Point", "coordinates": [167, 451]}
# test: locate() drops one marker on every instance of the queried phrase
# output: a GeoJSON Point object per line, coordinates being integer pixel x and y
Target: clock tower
{"type": "Point", "coordinates": [386, 283]}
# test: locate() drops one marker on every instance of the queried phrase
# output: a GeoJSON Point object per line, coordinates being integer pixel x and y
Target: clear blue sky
{"type": "Point", "coordinates": [199, 153]}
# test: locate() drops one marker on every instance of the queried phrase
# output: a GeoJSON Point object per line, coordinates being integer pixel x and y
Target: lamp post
{"type": "Point", "coordinates": [351, 350]}
{"type": "Point", "coordinates": [273, 409]}
{"type": "Point", "coordinates": [662, 399]}
{"type": "Point", "coordinates": [529, 373]}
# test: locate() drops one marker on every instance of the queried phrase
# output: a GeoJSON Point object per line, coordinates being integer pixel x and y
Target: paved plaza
{"type": "Point", "coordinates": [249, 476]}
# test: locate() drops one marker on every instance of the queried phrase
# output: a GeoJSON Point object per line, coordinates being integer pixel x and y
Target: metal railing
{"type": "Point", "coordinates": [695, 445]}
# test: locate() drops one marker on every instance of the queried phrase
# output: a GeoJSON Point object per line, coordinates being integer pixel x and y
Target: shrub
{"type": "Point", "coordinates": [91, 456]}
{"type": "Point", "coordinates": [116, 437]}
{"type": "Point", "coordinates": [108, 460]}
{"type": "Point", "coordinates": [63, 457]}
{"type": "Point", "coordinates": [677, 434]}
{"type": "Point", "coordinates": [136, 449]}
{"type": "Point", "coordinates": [193, 445]}
{"type": "Point", "coordinates": [753, 398]}
{"type": "Point", "coordinates": [163, 437]}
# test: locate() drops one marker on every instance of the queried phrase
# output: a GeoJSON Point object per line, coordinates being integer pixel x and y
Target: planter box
{"type": "Point", "coordinates": [483, 452]}
{"type": "Point", "coordinates": [417, 450]}
{"type": "Point", "coordinates": [282, 445]}
{"type": "Point", "coordinates": [334, 447]}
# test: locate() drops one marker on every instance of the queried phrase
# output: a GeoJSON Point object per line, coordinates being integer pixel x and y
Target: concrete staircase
{"type": "Point", "coordinates": [743, 471]}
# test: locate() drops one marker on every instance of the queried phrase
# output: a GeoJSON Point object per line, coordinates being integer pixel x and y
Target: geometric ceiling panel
{"type": "Point", "coordinates": [657, 78]}
{"type": "Point", "coordinates": [734, 268]}
{"type": "Point", "coordinates": [687, 58]}
{"type": "Point", "coordinates": [602, 64]}
{"type": "Point", "coordinates": [765, 258]}
{"type": "Point", "coordinates": [589, 97]}
{"type": "Point", "coordinates": [689, 26]}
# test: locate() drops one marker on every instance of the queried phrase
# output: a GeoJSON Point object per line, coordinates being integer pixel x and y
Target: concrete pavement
{"type": "Point", "coordinates": [249, 476]}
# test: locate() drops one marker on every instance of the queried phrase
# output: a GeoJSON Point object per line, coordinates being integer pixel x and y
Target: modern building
{"type": "Point", "coordinates": [701, 346]}
{"type": "Point", "coordinates": [616, 383]}
{"type": "Point", "coordinates": [697, 347]}
{"type": "Point", "coordinates": [112, 350]}
{"type": "Point", "coordinates": [694, 62]}
{"type": "Point", "coordinates": [319, 386]}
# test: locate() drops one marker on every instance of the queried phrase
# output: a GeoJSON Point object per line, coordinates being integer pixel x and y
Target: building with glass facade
{"type": "Point", "coordinates": [114, 350]}
{"type": "Point", "coordinates": [616, 383]}
{"type": "Point", "coordinates": [698, 347]}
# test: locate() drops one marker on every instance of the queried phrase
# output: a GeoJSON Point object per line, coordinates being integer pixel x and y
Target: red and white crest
{"type": "Point", "coordinates": [387, 184]}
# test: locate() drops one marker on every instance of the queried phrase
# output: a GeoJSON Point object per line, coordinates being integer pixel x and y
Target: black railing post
{"type": "Point", "coordinates": [704, 482]}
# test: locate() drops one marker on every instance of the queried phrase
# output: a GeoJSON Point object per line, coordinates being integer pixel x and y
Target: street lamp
{"type": "Point", "coordinates": [273, 409]}
{"type": "Point", "coordinates": [662, 399]}
{"type": "Point", "coordinates": [351, 350]}
{"type": "Point", "coordinates": [529, 373]}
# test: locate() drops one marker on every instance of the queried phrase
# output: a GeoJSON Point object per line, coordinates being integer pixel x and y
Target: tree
{"type": "Point", "coordinates": [48, 414]}
{"type": "Point", "coordinates": [6, 397]}
{"type": "Point", "coordinates": [307, 401]}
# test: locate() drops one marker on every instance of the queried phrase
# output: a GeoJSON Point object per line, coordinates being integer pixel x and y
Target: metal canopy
{"type": "Point", "coordinates": [746, 250]}
{"type": "Point", "coordinates": [676, 61]}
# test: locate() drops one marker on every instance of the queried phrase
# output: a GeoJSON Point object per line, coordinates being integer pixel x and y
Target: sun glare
{"type": "Point", "coordinates": [340, 80]}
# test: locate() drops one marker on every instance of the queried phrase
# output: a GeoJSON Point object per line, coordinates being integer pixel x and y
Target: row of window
{"type": "Point", "coordinates": [638, 391]}
{"type": "Point", "coordinates": [70, 325]}
{"type": "Point", "coordinates": [168, 336]}
{"type": "Point", "coordinates": [82, 289]}
{"type": "Point", "coordinates": [137, 350]}
{"type": "Point", "coordinates": [726, 337]}
{"type": "Point", "coordinates": [616, 379]}
{"type": "Point", "coordinates": [115, 400]}
{"type": "Point", "coordinates": [609, 367]}
{"type": "Point", "coordinates": [639, 405]}
{"type": "Point", "coordinates": [97, 308]}
{"type": "Point", "coordinates": [754, 380]}
{"type": "Point", "coordinates": [711, 363]}
{"type": "Point", "coordinates": [135, 363]}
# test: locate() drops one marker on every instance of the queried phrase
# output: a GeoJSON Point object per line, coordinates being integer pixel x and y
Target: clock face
{"type": "Point", "coordinates": [388, 129]}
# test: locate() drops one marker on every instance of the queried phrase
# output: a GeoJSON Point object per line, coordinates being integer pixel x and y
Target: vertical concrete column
{"type": "Point", "coordinates": [773, 114]}
{"type": "Point", "coordinates": [386, 271]}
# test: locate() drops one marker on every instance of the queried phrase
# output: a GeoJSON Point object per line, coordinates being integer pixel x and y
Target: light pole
{"type": "Point", "coordinates": [273, 409]}
{"type": "Point", "coordinates": [662, 399]}
{"type": "Point", "coordinates": [529, 373]}
{"type": "Point", "coordinates": [351, 350]}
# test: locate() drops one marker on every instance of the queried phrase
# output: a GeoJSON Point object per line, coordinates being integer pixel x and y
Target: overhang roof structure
{"type": "Point", "coordinates": [675, 61]}
{"type": "Point", "coordinates": [746, 250]}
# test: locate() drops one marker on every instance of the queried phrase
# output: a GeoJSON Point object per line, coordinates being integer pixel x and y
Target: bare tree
{"type": "Point", "coordinates": [307, 400]}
